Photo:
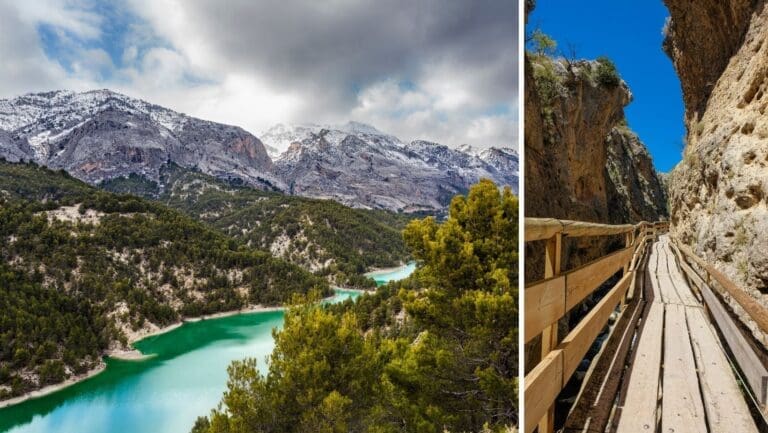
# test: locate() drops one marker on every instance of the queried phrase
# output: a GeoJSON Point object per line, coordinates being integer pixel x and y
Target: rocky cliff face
{"type": "Point", "coordinates": [718, 192]}
{"type": "Point", "coordinates": [582, 162]}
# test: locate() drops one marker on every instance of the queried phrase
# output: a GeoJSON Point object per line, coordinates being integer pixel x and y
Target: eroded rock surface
{"type": "Point", "coordinates": [718, 192]}
{"type": "Point", "coordinates": [582, 161]}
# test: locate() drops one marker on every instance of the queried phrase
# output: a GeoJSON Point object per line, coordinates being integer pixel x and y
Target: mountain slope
{"type": "Point", "coordinates": [83, 270]}
{"type": "Point", "coordinates": [320, 235]}
{"type": "Point", "coordinates": [100, 135]}
{"type": "Point", "coordinates": [357, 165]}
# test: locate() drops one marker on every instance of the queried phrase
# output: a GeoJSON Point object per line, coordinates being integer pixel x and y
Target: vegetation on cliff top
{"type": "Point", "coordinates": [435, 352]}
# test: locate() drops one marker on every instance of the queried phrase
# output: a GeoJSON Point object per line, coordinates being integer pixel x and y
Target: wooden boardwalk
{"type": "Point", "coordinates": [680, 380]}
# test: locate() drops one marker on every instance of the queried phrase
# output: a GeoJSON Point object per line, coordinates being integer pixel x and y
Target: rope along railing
{"type": "Point", "coordinates": [548, 300]}
{"type": "Point", "coordinates": [702, 275]}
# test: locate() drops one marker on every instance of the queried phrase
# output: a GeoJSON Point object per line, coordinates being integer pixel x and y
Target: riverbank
{"type": "Point", "coordinates": [131, 354]}
{"type": "Point", "coordinates": [380, 271]}
{"type": "Point", "coordinates": [50, 389]}
{"type": "Point", "coordinates": [135, 355]}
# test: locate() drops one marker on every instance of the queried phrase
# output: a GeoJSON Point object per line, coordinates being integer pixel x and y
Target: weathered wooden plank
{"type": "Point", "coordinates": [666, 286]}
{"type": "Point", "coordinates": [542, 385]}
{"type": "Point", "coordinates": [653, 272]}
{"type": "Point", "coordinates": [537, 229]}
{"type": "Point", "coordinates": [580, 282]}
{"type": "Point", "coordinates": [749, 363]}
{"type": "Point", "coordinates": [544, 305]}
{"type": "Point", "coordinates": [578, 229]}
{"type": "Point", "coordinates": [545, 228]}
{"type": "Point", "coordinates": [681, 287]}
{"type": "Point", "coordinates": [578, 341]}
{"type": "Point", "coordinates": [682, 407]}
{"type": "Point", "coordinates": [726, 409]}
{"type": "Point", "coordinates": [641, 403]}
{"type": "Point", "coordinates": [755, 311]}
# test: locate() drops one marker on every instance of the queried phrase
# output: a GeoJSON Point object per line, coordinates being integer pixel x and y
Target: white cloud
{"type": "Point", "coordinates": [432, 69]}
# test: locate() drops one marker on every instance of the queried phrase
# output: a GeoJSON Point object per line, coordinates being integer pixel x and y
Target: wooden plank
{"type": "Point", "coordinates": [581, 282]}
{"type": "Point", "coordinates": [638, 275]}
{"type": "Point", "coordinates": [578, 341]}
{"type": "Point", "coordinates": [552, 265]}
{"type": "Point", "coordinates": [542, 385]}
{"type": "Point", "coordinates": [544, 305]}
{"type": "Point", "coordinates": [578, 229]}
{"type": "Point", "coordinates": [681, 287]}
{"type": "Point", "coordinates": [541, 228]}
{"type": "Point", "coordinates": [755, 311]}
{"type": "Point", "coordinates": [666, 286]}
{"type": "Point", "coordinates": [545, 228]}
{"type": "Point", "coordinates": [641, 402]}
{"type": "Point", "coordinates": [682, 407]}
{"type": "Point", "coordinates": [749, 363]}
{"type": "Point", "coordinates": [653, 272]}
{"type": "Point", "coordinates": [726, 409]}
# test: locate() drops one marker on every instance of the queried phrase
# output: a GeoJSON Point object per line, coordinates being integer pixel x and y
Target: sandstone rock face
{"type": "Point", "coordinates": [636, 192]}
{"type": "Point", "coordinates": [582, 162]}
{"type": "Point", "coordinates": [718, 192]}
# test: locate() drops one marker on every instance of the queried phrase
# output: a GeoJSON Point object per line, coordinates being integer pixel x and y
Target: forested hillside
{"type": "Point", "coordinates": [436, 352]}
{"type": "Point", "coordinates": [322, 236]}
{"type": "Point", "coordinates": [81, 269]}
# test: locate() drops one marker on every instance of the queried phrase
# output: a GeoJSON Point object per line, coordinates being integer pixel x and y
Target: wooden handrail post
{"type": "Point", "coordinates": [552, 268]}
{"type": "Point", "coordinates": [629, 241]}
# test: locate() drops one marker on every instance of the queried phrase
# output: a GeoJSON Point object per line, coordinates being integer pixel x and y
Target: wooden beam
{"type": "Point", "coordinates": [749, 363]}
{"type": "Point", "coordinates": [641, 400]}
{"type": "Point", "coordinates": [581, 282]}
{"type": "Point", "coordinates": [544, 305]}
{"type": "Point", "coordinates": [579, 340]}
{"type": "Point", "coordinates": [755, 311]}
{"type": "Point", "coordinates": [541, 228]}
{"type": "Point", "coordinates": [552, 268]}
{"type": "Point", "coordinates": [542, 385]}
{"type": "Point", "coordinates": [545, 228]}
{"type": "Point", "coordinates": [682, 407]}
{"type": "Point", "coordinates": [546, 380]}
{"type": "Point", "coordinates": [727, 411]}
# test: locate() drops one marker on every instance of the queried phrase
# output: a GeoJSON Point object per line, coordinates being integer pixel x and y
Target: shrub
{"type": "Point", "coordinates": [606, 73]}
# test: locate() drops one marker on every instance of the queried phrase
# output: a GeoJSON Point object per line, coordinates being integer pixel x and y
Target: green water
{"type": "Point", "coordinates": [184, 379]}
{"type": "Point", "coordinates": [382, 278]}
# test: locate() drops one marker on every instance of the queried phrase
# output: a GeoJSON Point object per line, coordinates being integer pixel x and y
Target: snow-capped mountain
{"type": "Point", "coordinates": [100, 135]}
{"type": "Point", "coordinates": [358, 165]}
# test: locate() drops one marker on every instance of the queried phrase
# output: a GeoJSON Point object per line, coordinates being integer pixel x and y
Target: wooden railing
{"type": "Point", "coordinates": [702, 275]}
{"type": "Point", "coordinates": [548, 300]}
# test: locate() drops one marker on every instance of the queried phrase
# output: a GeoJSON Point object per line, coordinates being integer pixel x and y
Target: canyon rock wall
{"type": "Point", "coordinates": [582, 161]}
{"type": "Point", "coordinates": [718, 197]}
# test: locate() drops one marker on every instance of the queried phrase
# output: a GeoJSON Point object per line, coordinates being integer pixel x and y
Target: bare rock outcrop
{"type": "Point", "coordinates": [718, 193]}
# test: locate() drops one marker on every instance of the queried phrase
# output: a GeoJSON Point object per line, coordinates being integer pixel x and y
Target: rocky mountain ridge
{"type": "Point", "coordinates": [101, 135]}
{"type": "Point", "coordinates": [359, 166]}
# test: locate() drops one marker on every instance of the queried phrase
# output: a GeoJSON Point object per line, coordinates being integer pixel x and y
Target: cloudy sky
{"type": "Point", "coordinates": [441, 70]}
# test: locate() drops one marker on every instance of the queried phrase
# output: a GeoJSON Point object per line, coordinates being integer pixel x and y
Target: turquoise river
{"type": "Point", "coordinates": [183, 379]}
